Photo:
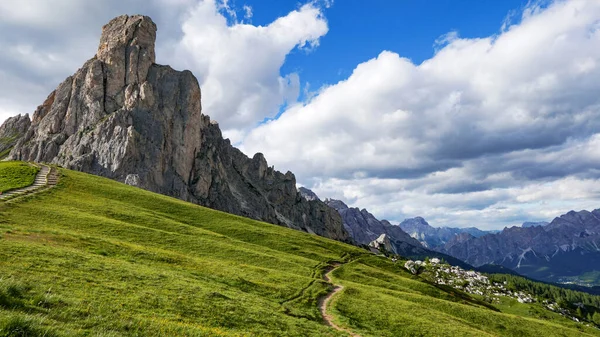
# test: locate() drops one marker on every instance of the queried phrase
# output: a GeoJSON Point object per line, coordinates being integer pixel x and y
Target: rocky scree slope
{"type": "Point", "coordinates": [124, 117]}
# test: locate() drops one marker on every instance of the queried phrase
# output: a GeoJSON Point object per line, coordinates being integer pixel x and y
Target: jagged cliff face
{"type": "Point", "coordinates": [124, 117]}
{"type": "Point", "coordinates": [10, 132]}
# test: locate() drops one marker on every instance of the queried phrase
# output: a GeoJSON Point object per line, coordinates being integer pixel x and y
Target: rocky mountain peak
{"type": "Point", "coordinates": [416, 222]}
{"type": "Point", "coordinates": [383, 243]}
{"type": "Point", "coordinates": [126, 35]}
{"type": "Point", "coordinates": [127, 52]}
{"type": "Point", "coordinates": [124, 117]}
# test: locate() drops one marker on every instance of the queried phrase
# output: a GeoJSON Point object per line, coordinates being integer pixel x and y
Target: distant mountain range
{"type": "Point", "coordinates": [364, 229]}
{"type": "Point", "coordinates": [433, 237]}
{"type": "Point", "coordinates": [565, 250]}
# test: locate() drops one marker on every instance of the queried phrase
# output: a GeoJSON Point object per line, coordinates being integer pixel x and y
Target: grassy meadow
{"type": "Point", "coordinates": [93, 257]}
{"type": "Point", "coordinates": [15, 175]}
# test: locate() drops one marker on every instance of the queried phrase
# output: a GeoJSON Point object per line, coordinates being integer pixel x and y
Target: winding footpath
{"type": "Point", "coordinates": [325, 301]}
{"type": "Point", "coordinates": [46, 178]}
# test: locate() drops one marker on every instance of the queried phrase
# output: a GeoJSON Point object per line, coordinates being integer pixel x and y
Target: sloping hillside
{"type": "Point", "coordinates": [96, 257]}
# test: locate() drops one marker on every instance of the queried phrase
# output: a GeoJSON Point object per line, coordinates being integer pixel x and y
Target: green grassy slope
{"type": "Point", "coordinates": [385, 301]}
{"type": "Point", "coordinates": [15, 175]}
{"type": "Point", "coordinates": [93, 257]}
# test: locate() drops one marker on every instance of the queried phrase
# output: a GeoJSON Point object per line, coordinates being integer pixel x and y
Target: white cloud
{"type": "Point", "coordinates": [238, 65]}
{"type": "Point", "coordinates": [247, 12]}
{"type": "Point", "coordinates": [478, 131]}
{"type": "Point", "coordinates": [38, 13]}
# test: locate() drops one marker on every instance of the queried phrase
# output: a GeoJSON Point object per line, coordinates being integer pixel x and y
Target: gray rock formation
{"type": "Point", "coordinates": [126, 118]}
{"type": "Point", "coordinates": [10, 132]}
{"type": "Point", "coordinates": [559, 252]}
{"type": "Point", "coordinates": [435, 237]}
{"type": "Point", "coordinates": [383, 243]}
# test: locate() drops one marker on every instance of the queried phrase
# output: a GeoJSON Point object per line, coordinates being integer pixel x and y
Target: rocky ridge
{"type": "Point", "coordinates": [307, 194]}
{"type": "Point", "coordinates": [363, 227]}
{"type": "Point", "coordinates": [127, 118]}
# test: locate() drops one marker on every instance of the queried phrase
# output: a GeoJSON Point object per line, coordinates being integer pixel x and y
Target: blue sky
{"type": "Point", "coordinates": [359, 32]}
{"type": "Point", "coordinates": [496, 126]}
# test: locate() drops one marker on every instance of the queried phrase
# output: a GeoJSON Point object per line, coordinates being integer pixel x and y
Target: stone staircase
{"type": "Point", "coordinates": [46, 178]}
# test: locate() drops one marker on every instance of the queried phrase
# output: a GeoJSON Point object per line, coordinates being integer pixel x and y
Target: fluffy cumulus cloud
{"type": "Point", "coordinates": [237, 64]}
{"type": "Point", "coordinates": [489, 131]}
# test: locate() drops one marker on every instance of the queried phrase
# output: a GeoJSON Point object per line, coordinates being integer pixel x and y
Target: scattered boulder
{"type": "Point", "coordinates": [383, 244]}
{"type": "Point", "coordinates": [132, 179]}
